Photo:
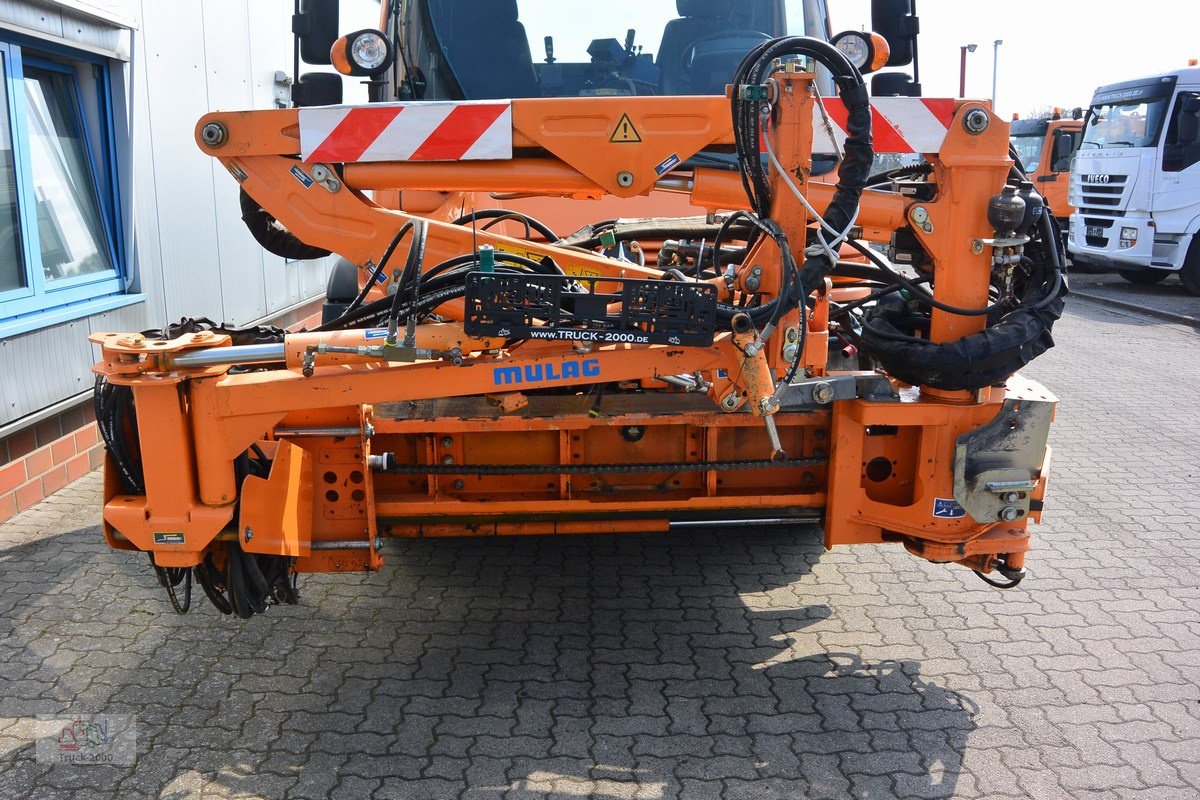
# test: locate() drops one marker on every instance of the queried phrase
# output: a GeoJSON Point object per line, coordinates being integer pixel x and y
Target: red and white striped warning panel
{"type": "Point", "coordinates": [464, 131]}
{"type": "Point", "coordinates": [898, 124]}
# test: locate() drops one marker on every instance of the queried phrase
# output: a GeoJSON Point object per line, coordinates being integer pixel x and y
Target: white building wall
{"type": "Point", "coordinates": [187, 249]}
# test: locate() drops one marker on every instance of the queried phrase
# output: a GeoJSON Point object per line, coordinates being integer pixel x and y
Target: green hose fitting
{"type": "Point", "coordinates": [487, 258]}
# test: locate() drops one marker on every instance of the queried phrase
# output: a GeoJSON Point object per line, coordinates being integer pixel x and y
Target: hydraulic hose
{"type": "Point", "coordinates": [274, 239]}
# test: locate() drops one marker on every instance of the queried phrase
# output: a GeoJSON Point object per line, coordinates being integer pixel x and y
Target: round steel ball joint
{"type": "Point", "coordinates": [214, 134]}
{"type": "Point", "coordinates": [976, 121]}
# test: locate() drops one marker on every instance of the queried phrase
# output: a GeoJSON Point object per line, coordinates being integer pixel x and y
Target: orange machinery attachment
{"type": "Point", "coordinates": [639, 389]}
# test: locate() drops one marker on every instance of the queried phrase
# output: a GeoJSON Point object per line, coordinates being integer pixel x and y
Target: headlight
{"type": "Point", "coordinates": [867, 51]}
{"type": "Point", "coordinates": [1128, 238]}
{"type": "Point", "coordinates": [362, 53]}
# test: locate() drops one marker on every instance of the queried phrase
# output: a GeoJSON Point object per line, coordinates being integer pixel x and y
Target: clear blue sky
{"type": "Point", "coordinates": [1055, 52]}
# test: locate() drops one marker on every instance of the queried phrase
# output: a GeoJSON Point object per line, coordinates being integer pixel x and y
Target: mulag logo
{"type": "Point", "coordinates": [537, 373]}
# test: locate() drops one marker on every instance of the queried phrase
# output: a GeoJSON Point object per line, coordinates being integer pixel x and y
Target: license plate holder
{"type": "Point", "coordinates": [601, 310]}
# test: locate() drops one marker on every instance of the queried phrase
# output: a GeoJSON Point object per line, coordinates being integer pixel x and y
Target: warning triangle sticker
{"type": "Point", "coordinates": [625, 132]}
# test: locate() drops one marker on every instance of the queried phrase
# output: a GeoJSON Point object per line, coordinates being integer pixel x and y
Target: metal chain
{"type": "Point", "coordinates": [597, 469]}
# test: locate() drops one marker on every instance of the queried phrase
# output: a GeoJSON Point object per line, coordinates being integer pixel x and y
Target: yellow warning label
{"type": "Point", "coordinates": [625, 132]}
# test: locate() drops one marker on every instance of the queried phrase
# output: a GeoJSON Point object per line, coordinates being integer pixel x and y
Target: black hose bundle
{"type": "Point", "coordinates": [253, 582]}
{"type": "Point", "coordinates": [255, 334]}
{"type": "Point", "coordinates": [275, 239]}
{"type": "Point", "coordinates": [495, 216]}
{"type": "Point", "coordinates": [984, 359]}
{"type": "Point", "coordinates": [117, 423]}
{"type": "Point", "coordinates": [855, 167]}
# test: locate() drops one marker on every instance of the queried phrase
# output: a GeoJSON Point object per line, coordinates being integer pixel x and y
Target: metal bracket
{"type": "Point", "coordinates": [997, 466]}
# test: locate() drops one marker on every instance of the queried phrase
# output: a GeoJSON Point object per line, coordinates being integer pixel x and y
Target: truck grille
{"type": "Point", "coordinates": [1100, 206]}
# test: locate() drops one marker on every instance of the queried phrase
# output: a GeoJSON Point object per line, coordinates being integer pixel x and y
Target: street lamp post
{"type": "Point", "coordinates": [995, 68]}
{"type": "Point", "coordinates": [962, 68]}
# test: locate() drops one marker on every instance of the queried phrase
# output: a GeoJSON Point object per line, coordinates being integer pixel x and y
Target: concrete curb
{"type": "Point", "coordinates": [1168, 316]}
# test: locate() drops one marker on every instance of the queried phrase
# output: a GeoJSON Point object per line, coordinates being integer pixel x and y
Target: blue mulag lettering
{"type": "Point", "coordinates": [538, 373]}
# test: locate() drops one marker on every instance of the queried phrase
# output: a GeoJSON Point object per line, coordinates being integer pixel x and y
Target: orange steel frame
{"type": "Point", "coordinates": [194, 423]}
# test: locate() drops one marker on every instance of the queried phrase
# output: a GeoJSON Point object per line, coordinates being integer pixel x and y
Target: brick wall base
{"type": "Point", "coordinates": [40, 460]}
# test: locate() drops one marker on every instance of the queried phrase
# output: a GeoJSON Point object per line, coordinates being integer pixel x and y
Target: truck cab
{"type": "Point", "coordinates": [502, 49]}
{"type": "Point", "coordinates": [505, 49]}
{"type": "Point", "coordinates": [1046, 147]}
{"type": "Point", "coordinates": [1136, 180]}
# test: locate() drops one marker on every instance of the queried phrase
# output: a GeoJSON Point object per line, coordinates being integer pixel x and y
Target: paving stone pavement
{"type": "Point", "coordinates": [710, 664]}
{"type": "Point", "coordinates": [1168, 297]}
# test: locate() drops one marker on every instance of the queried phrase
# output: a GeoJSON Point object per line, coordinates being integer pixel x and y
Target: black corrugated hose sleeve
{"type": "Point", "coordinates": [274, 240]}
{"type": "Point", "coordinates": [984, 359]}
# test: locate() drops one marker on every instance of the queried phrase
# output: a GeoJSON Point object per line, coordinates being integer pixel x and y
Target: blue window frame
{"type": "Point", "coordinates": [59, 211]}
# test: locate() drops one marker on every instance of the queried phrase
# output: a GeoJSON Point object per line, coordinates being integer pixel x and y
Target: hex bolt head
{"type": "Point", "coordinates": [459, 484]}
{"type": "Point", "coordinates": [1010, 514]}
{"type": "Point", "coordinates": [447, 441]}
{"type": "Point", "coordinates": [730, 401]}
{"type": "Point", "coordinates": [1010, 497]}
{"type": "Point", "coordinates": [214, 134]}
{"type": "Point", "coordinates": [823, 393]}
{"type": "Point", "coordinates": [249, 534]}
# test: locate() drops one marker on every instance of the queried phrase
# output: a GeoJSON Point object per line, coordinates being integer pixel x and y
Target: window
{"type": "Point", "coordinates": [1182, 147]}
{"type": "Point", "coordinates": [1135, 123]}
{"type": "Point", "coordinates": [1029, 148]}
{"type": "Point", "coordinates": [58, 198]}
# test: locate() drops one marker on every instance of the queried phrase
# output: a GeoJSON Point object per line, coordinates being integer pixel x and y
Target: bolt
{"type": "Point", "coordinates": [823, 393]}
{"type": "Point", "coordinates": [819, 434]}
{"type": "Point", "coordinates": [447, 441]}
{"type": "Point", "coordinates": [730, 402]}
{"type": "Point", "coordinates": [1010, 513]}
{"type": "Point", "coordinates": [977, 247]}
{"type": "Point", "coordinates": [320, 172]}
{"type": "Point", "coordinates": [448, 460]}
{"type": "Point", "coordinates": [214, 134]}
{"type": "Point", "coordinates": [249, 533]}
{"type": "Point", "coordinates": [625, 178]}
{"type": "Point", "coordinates": [976, 121]}
{"type": "Point", "coordinates": [1010, 497]}
{"type": "Point", "coordinates": [459, 484]}
{"type": "Point", "coordinates": [919, 215]}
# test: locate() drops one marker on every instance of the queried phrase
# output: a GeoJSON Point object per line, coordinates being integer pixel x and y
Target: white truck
{"type": "Point", "coordinates": [1135, 182]}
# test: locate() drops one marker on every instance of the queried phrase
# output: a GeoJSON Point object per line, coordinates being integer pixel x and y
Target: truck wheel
{"type": "Point", "coordinates": [1144, 277]}
{"type": "Point", "coordinates": [1190, 274]}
